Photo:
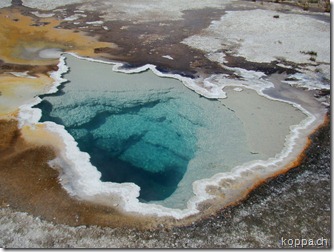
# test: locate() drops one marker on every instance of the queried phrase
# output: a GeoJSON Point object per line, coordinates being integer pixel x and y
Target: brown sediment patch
{"type": "Point", "coordinates": [24, 37]}
{"type": "Point", "coordinates": [31, 70]}
{"type": "Point", "coordinates": [28, 184]}
{"type": "Point", "coordinates": [141, 43]}
{"type": "Point", "coordinates": [267, 68]}
{"type": "Point", "coordinates": [312, 6]}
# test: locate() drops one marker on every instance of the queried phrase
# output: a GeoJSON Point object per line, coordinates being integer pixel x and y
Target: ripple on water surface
{"type": "Point", "coordinates": [148, 130]}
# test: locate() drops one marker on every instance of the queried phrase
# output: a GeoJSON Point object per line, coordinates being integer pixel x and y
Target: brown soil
{"type": "Point", "coordinates": [32, 70]}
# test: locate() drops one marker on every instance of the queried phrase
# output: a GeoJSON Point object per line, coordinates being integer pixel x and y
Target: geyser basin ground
{"type": "Point", "coordinates": [158, 134]}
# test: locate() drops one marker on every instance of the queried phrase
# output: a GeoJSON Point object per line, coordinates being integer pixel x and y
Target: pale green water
{"type": "Point", "coordinates": [145, 129]}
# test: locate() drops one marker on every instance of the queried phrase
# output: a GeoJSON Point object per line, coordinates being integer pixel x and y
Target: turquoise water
{"type": "Point", "coordinates": [146, 129]}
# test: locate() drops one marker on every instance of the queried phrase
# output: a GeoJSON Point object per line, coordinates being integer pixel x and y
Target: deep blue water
{"type": "Point", "coordinates": [140, 144]}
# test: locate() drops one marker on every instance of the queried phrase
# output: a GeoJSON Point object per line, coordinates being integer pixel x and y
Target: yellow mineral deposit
{"type": "Point", "coordinates": [22, 39]}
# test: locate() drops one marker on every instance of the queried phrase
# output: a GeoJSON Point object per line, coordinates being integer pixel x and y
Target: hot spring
{"type": "Point", "coordinates": [155, 132]}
